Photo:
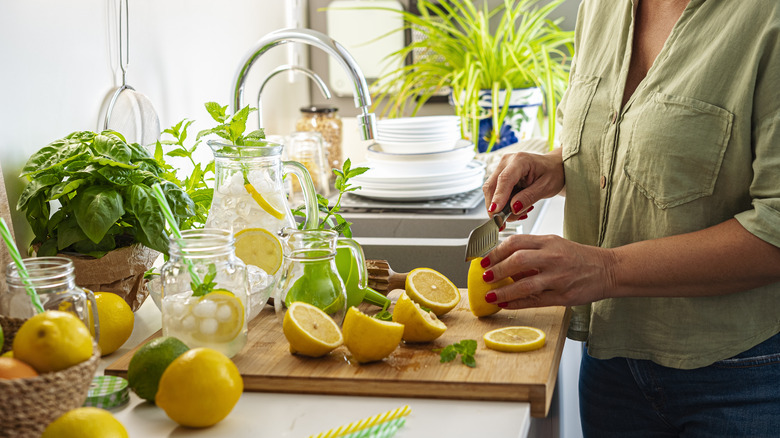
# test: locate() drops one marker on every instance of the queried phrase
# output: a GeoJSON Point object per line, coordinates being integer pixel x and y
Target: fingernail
{"type": "Point", "coordinates": [485, 262]}
{"type": "Point", "coordinates": [525, 216]}
{"type": "Point", "coordinates": [491, 297]}
{"type": "Point", "coordinates": [530, 209]}
{"type": "Point", "coordinates": [502, 305]}
{"type": "Point", "coordinates": [517, 206]}
{"type": "Point", "coordinates": [492, 207]}
{"type": "Point", "coordinates": [487, 276]}
{"type": "Point", "coordinates": [502, 227]}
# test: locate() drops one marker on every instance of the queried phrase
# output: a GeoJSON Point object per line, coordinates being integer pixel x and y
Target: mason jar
{"type": "Point", "coordinates": [204, 291]}
{"type": "Point", "coordinates": [326, 121]}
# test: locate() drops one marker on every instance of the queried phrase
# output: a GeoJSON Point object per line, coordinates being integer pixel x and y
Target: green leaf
{"type": "Point", "coordinates": [68, 233]}
{"type": "Point", "coordinates": [177, 153]}
{"type": "Point", "coordinates": [37, 187]}
{"type": "Point", "coordinates": [112, 147]}
{"type": "Point", "coordinates": [144, 207]}
{"type": "Point", "coordinates": [96, 210]}
{"type": "Point", "coordinates": [217, 112]}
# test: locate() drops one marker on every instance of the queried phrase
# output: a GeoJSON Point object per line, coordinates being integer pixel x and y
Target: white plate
{"type": "Point", "coordinates": [416, 147]}
{"type": "Point", "coordinates": [436, 183]}
{"type": "Point", "coordinates": [416, 195]}
{"type": "Point", "coordinates": [378, 176]}
{"type": "Point", "coordinates": [423, 163]}
{"type": "Point", "coordinates": [417, 122]}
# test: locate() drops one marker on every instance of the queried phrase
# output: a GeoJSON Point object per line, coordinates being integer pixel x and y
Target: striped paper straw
{"type": "Point", "coordinates": [381, 430]}
{"type": "Point", "coordinates": [17, 258]}
{"type": "Point", "coordinates": [159, 195]}
{"type": "Point", "coordinates": [365, 423]}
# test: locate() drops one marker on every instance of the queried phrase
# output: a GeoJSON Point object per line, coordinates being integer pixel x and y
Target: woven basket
{"type": "Point", "coordinates": [27, 406]}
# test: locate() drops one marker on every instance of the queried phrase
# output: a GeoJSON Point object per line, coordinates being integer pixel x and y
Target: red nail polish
{"type": "Point", "coordinates": [502, 227]}
{"type": "Point", "coordinates": [491, 297]}
{"type": "Point", "coordinates": [525, 216]}
{"type": "Point", "coordinates": [487, 276]}
{"type": "Point", "coordinates": [530, 209]}
{"type": "Point", "coordinates": [517, 206]}
{"type": "Point", "coordinates": [502, 305]}
{"type": "Point", "coordinates": [485, 262]}
{"type": "Point", "coordinates": [492, 207]}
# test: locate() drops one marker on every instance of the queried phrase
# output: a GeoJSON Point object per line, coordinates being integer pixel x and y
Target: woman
{"type": "Point", "coordinates": [670, 163]}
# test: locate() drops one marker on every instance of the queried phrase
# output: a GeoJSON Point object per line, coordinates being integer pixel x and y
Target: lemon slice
{"type": "Point", "coordinates": [310, 331]}
{"type": "Point", "coordinates": [256, 246]}
{"type": "Point", "coordinates": [513, 339]}
{"type": "Point", "coordinates": [219, 315]}
{"type": "Point", "coordinates": [432, 290]}
{"type": "Point", "coordinates": [419, 325]}
{"type": "Point", "coordinates": [274, 211]}
{"type": "Point", "coordinates": [370, 339]}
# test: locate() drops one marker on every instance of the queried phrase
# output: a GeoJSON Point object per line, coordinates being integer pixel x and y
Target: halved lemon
{"type": "Point", "coordinates": [266, 204]}
{"type": "Point", "coordinates": [419, 325]}
{"type": "Point", "coordinates": [310, 331]}
{"type": "Point", "coordinates": [370, 339]}
{"type": "Point", "coordinates": [516, 338]}
{"type": "Point", "coordinates": [432, 290]}
{"type": "Point", "coordinates": [221, 319]}
{"type": "Point", "coordinates": [256, 246]}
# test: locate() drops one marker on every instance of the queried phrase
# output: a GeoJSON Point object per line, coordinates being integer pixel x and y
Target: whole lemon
{"type": "Point", "coordinates": [11, 368]}
{"type": "Point", "coordinates": [149, 363]}
{"type": "Point", "coordinates": [199, 388]}
{"type": "Point", "coordinates": [53, 341]}
{"type": "Point", "coordinates": [85, 423]}
{"type": "Point", "coordinates": [477, 289]}
{"type": "Point", "coordinates": [116, 320]}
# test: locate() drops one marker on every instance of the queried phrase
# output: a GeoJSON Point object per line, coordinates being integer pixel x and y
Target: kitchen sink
{"type": "Point", "coordinates": [437, 241]}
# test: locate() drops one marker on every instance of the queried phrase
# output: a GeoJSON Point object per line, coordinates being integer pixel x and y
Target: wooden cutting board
{"type": "Point", "coordinates": [413, 370]}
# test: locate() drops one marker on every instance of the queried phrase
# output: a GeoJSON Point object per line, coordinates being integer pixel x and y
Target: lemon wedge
{"type": "Point", "coordinates": [419, 325]}
{"type": "Point", "coordinates": [256, 246]}
{"type": "Point", "coordinates": [370, 339]}
{"type": "Point", "coordinates": [512, 339]}
{"type": "Point", "coordinates": [310, 331]}
{"type": "Point", "coordinates": [220, 316]}
{"type": "Point", "coordinates": [274, 211]}
{"type": "Point", "coordinates": [432, 289]}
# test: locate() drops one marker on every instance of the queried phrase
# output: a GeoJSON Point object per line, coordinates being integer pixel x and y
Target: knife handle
{"type": "Point", "coordinates": [500, 217]}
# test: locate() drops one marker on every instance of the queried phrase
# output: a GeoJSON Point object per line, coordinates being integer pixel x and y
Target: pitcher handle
{"type": "Point", "coordinates": [309, 195]}
{"type": "Point", "coordinates": [357, 252]}
{"type": "Point", "coordinates": [94, 320]}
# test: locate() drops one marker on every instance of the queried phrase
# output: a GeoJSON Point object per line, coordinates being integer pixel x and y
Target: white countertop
{"type": "Point", "coordinates": [259, 414]}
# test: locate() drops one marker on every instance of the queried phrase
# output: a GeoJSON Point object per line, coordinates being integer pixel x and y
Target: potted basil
{"type": "Point", "coordinates": [487, 59]}
{"type": "Point", "coordinates": [105, 217]}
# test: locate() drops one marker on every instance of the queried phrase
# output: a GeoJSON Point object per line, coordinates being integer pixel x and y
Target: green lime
{"type": "Point", "coordinates": [149, 362]}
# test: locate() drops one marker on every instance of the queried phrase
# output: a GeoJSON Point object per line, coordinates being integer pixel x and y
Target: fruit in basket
{"type": "Point", "coordinates": [116, 321]}
{"type": "Point", "coordinates": [53, 341]}
{"type": "Point", "coordinates": [200, 388]}
{"type": "Point", "coordinates": [370, 339]}
{"type": "Point", "coordinates": [432, 289]}
{"type": "Point", "coordinates": [310, 331]}
{"type": "Point", "coordinates": [149, 362]}
{"type": "Point", "coordinates": [477, 289]}
{"type": "Point", "coordinates": [85, 422]}
{"type": "Point", "coordinates": [11, 368]}
{"type": "Point", "coordinates": [419, 325]}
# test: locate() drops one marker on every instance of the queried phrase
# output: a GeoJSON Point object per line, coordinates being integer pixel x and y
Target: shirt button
{"type": "Point", "coordinates": [614, 117]}
{"type": "Point", "coordinates": [603, 181]}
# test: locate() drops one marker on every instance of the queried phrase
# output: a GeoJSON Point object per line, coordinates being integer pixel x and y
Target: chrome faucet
{"type": "Point", "coordinates": [295, 69]}
{"type": "Point", "coordinates": [366, 120]}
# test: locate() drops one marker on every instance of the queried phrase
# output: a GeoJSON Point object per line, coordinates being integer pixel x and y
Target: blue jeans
{"type": "Point", "coordinates": [736, 397]}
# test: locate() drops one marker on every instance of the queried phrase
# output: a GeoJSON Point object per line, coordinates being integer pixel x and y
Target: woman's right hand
{"type": "Point", "coordinates": [540, 176]}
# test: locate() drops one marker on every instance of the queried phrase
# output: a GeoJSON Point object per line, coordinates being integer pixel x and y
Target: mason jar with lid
{"type": "Point", "coordinates": [326, 121]}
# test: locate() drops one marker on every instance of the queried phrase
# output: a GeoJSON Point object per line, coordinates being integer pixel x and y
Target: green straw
{"type": "Point", "coordinates": [158, 193]}
{"type": "Point", "coordinates": [381, 430]}
{"type": "Point", "coordinates": [9, 241]}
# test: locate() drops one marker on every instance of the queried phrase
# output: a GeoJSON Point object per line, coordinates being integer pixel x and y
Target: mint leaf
{"type": "Point", "coordinates": [466, 348]}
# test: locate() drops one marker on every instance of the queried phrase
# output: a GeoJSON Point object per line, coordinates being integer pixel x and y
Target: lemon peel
{"type": "Point", "coordinates": [370, 339]}
{"type": "Point", "coordinates": [263, 203]}
{"type": "Point", "coordinates": [419, 325]}
{"type": "Point", "coordinates": [477, 289]}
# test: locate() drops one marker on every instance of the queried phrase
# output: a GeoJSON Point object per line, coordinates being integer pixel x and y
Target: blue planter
{"type": "Point", "coordinates": [521, 121]}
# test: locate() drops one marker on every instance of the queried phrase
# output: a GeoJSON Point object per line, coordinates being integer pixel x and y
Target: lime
{"type": "Point", "coordinates": [256, 246]}
{"type": "Point", "coordinates": [432, 289]}
{"type": "Point", "coordinates": [149, 362]}
{"type": "Point", "coordinates": [370, 339]}
{"type": "Point", "coordinates": [116, 321]}
{"type": "Point", "coordinates": [85, 422]}
{"type": "Point", "coordinates": [419, 325]}
{"type": "Point", "coordinates": [512, 339]}
{"type": "Point", "coordinates": [53, 341]}
{"type": "Point", "coordinates": [200, 388]}
{"type": "Point", "coordinates": [310, 331]}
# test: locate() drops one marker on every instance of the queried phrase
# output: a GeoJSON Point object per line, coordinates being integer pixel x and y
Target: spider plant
{"type": "Point", "coordinates": [462, 54]}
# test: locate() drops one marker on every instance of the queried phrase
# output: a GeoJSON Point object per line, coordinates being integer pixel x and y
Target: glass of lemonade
{"type": "Point", "coordinates": [204, 291]}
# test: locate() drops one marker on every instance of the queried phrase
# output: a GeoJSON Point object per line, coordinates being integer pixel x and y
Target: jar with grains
{"type": "Point", "coordinates": [326, 121]}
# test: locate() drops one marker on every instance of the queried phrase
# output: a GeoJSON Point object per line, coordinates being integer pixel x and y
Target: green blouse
{"type": "Point", "coordinates": [698, 143]}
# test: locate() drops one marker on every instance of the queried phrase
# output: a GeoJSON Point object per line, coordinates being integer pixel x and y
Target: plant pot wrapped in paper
{"type": "Point", "coordinates": [107, 220]}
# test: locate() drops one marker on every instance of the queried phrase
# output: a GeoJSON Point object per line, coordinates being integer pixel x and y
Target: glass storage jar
{"type": "Point", "coordinates": [326, 121]}
{"type": "Point", "coordinates": [204, 291]}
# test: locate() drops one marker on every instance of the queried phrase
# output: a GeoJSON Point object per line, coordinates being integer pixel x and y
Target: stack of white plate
{"type": "Point", "coordinates": [418, 134]}
{"type": "Point", "coordinates": [420, 176]}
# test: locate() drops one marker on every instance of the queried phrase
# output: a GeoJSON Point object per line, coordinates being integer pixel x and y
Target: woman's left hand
{"type": "Point", "coordinates": [548, 271]}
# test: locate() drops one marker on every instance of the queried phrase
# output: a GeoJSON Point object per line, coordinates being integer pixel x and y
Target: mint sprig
{"type": "Point", "coordinates": [466, 348]}
{"type": "Point", "coordinates": [384, 315]}
{"type": "Point", "coordinates": [207, 285]}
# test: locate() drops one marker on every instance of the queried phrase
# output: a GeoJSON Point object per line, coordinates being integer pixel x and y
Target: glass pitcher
{"type": "Point", "coordinates": [250, 201]}
{"type": "Point", "coordinates": [54, 279]}
{"type": "Point", "coordinates": [310, 274]}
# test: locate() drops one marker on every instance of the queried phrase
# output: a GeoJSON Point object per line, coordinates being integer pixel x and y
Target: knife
{"type": "Point", "coordinates": [484, 238]}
